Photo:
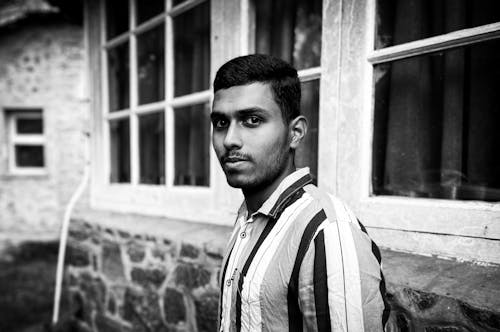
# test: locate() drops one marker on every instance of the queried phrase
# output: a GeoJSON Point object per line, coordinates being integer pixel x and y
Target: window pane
{"type": "Point", "coordinates": [152, 148]}
{"type": "Point", "coordinates": [401, 21]}
{"type": "Point", "coordinates": [120, 150]}
{"type": "Point", "coordinates": [176, 2]}
{"type": "Point", "coordinates": [117, 17]}
{"type": "Point", "coordinates": [192, 50]}
{"type": "Point", "coordinates": [192, 141]}
{"type": "Point", "coordinates": [436, 125]}
{"type": "Point", "coordinates": [118, 77]}
{"type": "Point", "coordinates": [307, 153]}
{"type": "Point", "coordinates": [291, 30]}
{"type": "Point", "coordinates": [148, 8]}
{"type": "Point", "coordinates": [29, 156]}
{"type": "Point", "coordinates": [151, 62]}
{"type": "Point", "coordinates": [29, 126]}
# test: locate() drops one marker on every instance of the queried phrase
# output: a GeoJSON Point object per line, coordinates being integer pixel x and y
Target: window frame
{"type": "Point", "coordinates": [15, 138]}
{"type": "Point", "coordinates": [167, 105]}
{"type": "Point", "coordinates": [216, 203]}
{"type": "Point", "coordinates": [398, 221]}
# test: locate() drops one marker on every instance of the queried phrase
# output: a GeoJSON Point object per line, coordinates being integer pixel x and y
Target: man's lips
{"type": "Point", "coordinates": [227, 160]}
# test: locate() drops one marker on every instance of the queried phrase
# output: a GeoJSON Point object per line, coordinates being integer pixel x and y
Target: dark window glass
{"type": "Point", "coordinates": [307, 153]}
{"type": "Point", "coordinates": [117, 17]}
{"type": "Point", "coordinates": [192, 141]}
{"type": "Point", "coordinates": [146, 9]}
{"type": "Point", "coordinates": [192, 50]}
{"type": "Point", "coordinates": [118, 77]}
{"type": "Point", "coordinates": [151, 62]}
{"type": "Point", "coordinates": [120, 150]}
{"type": "Point", "coordinates": [291, 30]}
{"type": "Point", "coordinates": [436, 125]}
{"type": "Point", "coordinates": [176, 2]}
{"type": "Point", "coordinates": [29, 156]}
{"type": "Point", "coordinates": [152, 148]}
{"type": "Point", "coordinates": [402, 21]}
{"type": "Point", "coordinates": [29, 126]}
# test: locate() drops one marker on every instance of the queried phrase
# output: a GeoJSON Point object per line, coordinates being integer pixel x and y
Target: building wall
{"type": "Point", "coordinates": [42, 66]}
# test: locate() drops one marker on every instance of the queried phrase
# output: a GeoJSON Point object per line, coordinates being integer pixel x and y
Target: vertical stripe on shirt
{"type": "Point", "coordinates": [262, 237]}
{"type": "Point", "coordinates": [321, 285]}
{"type": "Point", "coordinates": [294, 314]}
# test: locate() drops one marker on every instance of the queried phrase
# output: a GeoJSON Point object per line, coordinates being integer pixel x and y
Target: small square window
{"type": "Point", "coordinates": [26, 141]}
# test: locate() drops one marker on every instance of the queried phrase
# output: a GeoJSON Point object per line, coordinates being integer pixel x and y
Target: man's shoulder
{"type": "Point", "coordinates": [334, 207]}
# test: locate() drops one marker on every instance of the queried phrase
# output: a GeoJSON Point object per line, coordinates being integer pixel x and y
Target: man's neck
{"type": "Point", "coordinates": [255, 198]}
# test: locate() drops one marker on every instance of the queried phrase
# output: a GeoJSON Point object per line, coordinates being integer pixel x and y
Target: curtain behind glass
{"type": "Point", "coordinates": [435, 114]}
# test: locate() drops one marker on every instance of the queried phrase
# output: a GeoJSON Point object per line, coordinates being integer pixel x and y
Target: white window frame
{"type": "Point", "coordinates": [213, 204]}
{"type": "Point", "coordinates": [453, 228]}
{"type": "Point", "coordinates": [15, 138]}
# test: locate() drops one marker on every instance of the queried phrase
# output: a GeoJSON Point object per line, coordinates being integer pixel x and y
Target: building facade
{"type": "Point", "coordinates": [401, 101]}
{"type": "Point", "coordinates": [43, 117]}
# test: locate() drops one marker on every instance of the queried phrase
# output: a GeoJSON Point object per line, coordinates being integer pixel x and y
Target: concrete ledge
{"type": "Point", "coordinates": [475, 284]}
{"type": "Point", "coordinates": [212, 237]}
{"type": "Point", "coordinates": [434, 294]}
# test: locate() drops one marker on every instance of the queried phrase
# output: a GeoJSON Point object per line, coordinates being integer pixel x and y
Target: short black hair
{"type": "Point", "coordinates": [282, 77]}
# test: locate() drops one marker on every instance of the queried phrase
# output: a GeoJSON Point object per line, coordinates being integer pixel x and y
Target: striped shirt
{"type": "Point", "coordinates": [302, 262]}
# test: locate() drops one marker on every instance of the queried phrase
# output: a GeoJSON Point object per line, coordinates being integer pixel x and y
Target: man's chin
{"type": "Point", "coordinates": [238, 181]}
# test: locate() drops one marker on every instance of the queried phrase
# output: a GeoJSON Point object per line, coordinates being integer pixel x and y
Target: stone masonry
{"type": "Point", "coordinates": [136, 282]}
{"type": "Point", "coordinates": [123, 281]}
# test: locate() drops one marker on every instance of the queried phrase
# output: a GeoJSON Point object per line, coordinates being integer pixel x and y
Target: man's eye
{"type": "Point", "coordinates": [252, 120]}
{"type": "Point", "coordinates": [220, 123]}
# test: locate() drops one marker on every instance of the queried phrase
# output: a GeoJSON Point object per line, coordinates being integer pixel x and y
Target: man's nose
{"type": "Point", "coordinates": [232, 139]}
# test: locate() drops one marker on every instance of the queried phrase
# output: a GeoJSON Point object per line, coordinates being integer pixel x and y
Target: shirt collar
{"type": "Point", "coordinates": [288, 186]}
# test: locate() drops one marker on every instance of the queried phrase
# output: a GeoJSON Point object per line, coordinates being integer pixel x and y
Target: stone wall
{"type": "Point", "coordinates": [135, 281]}
{"type": "Point", "coordinates": [138, 282]}
{"type": "Point", "coordinates": [42, 65]}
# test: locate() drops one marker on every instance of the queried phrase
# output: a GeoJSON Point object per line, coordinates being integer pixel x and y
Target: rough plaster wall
{"type": "Point", "coordinates": [43, 66]}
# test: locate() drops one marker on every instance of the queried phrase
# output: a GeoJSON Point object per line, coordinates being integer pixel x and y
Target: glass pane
{"type": "Point", "coordinates": [151, 62]}
{"type": "Point", "coordinates": [117, 17]}
{"type": "Point", "coordinates": [192, 50]}
{"type": "Point", "coordinates": [291, 30]}
{"type": "Point", "coordinates": [436, 125]}
{"type": "Point", "coordinates": [118, 77]}
{"type": "Point", "coordinates": [29, 156]}
{"type": "Point", "coordinates": [176, 2]}
{"type": "Point", "coordinates": [120, 150]}
{"type": "Point", "coordinates": [307, 153]}
{"type": "Point", "coordinates": [401, 21]}
{"type": "Point", "coordinates": [192, 141]}
{"type": "Point", "coordinates": [148, 8]}
{"type": "Point", "coordinates": [29, 126]}
{"type": "Point", "coordinates": [152, 148]}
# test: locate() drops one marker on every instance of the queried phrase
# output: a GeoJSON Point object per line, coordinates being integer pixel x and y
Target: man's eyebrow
{"type": "Point", "coordinates": [251, 110]}
{"type": "Point", "coordinates": [239, 113]}
{"type": "Point", "coordinates": [215, 114]}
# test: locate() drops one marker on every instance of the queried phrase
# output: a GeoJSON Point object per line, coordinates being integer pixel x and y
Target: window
{"type": "Point", "coordinates": [26, 141]}
{"type": "Point", "coordinates": [156, 57]}
{"type": "Point", "coordinates": [436, 101]}
{"type": "Point", "coordinates": [291, 30]}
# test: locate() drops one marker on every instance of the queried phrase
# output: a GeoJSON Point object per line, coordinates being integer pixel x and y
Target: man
{"type": "Point", "coordinates": [298, 259]}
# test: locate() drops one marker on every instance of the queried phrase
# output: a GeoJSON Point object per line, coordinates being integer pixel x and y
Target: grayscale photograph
{"type": "Point", "coordinates": [249, 165]}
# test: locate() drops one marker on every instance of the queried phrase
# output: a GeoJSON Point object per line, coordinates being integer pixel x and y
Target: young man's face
{"type": "Point", "coordinates": [250, 137]}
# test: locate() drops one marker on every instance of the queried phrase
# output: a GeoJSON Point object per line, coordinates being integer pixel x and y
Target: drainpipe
{"type": "Point", "coordinates": [65, 226]}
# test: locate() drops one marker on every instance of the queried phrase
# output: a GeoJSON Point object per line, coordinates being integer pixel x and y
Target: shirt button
{"type": "Point", "coordinates": [243, 235]}
{"type": "Point", "coordinates": [228, 282]}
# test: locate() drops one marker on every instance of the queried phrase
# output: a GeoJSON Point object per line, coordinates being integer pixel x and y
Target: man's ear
{"type": "Point", "coordinates": [298, 130]}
